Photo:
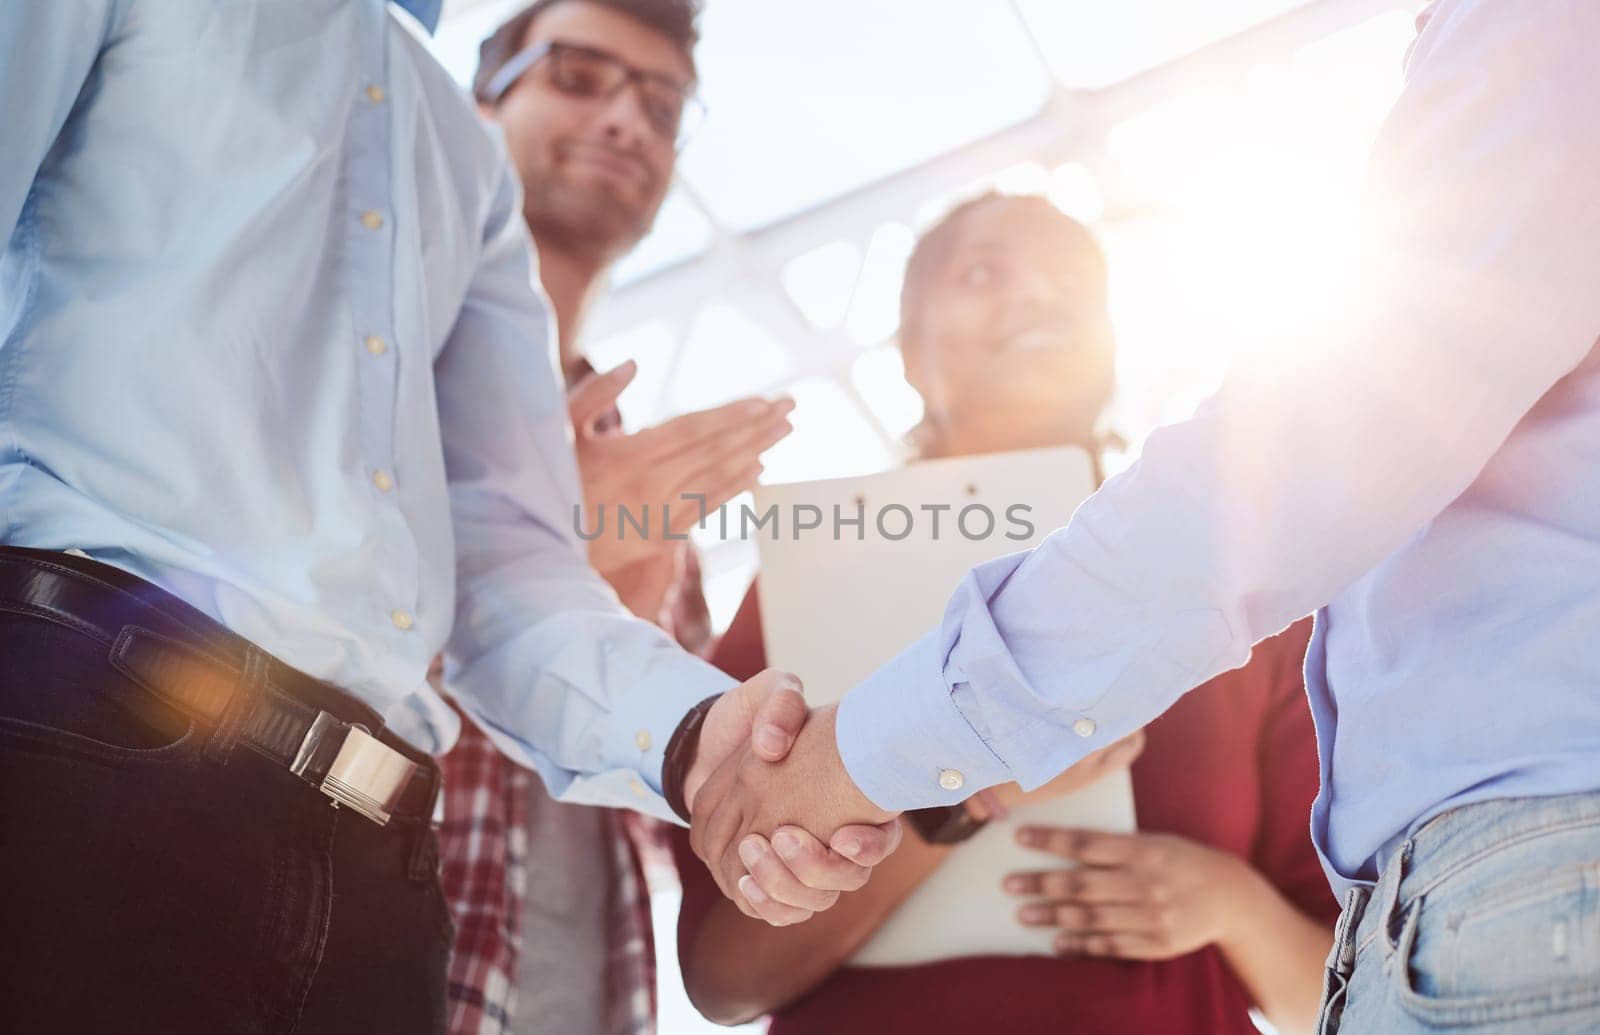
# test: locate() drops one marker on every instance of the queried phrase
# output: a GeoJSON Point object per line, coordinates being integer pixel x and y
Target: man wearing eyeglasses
{"type": "Point", "coordinates": [595, 98]}
{"type": "Point", "coordinates": [277, 423]}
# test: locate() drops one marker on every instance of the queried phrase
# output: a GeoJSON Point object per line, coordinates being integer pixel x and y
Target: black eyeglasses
{"type": "Point", "coordinates": [671, 107]}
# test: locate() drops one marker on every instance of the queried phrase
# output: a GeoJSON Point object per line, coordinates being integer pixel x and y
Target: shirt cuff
{"type": "Point", "coordinates": [623, 757]}
{"type": "Point", "coordinates": [647, 713]}
{"type": "Point", "coordinates": [905, 743]}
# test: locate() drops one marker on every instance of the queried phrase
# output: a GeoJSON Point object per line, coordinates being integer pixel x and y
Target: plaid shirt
{"type": "Point", "coordinates": [484, 843]}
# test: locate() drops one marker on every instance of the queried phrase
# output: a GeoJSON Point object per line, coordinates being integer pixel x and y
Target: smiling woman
{"type": "Point", "coordinates": [1026, 285]}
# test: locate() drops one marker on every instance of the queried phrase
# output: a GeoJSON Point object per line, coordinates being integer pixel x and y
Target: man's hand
{"type": "Point", "coordinates": [764, 713]}
{"type": "Point", "coordinates": [748, 798]}
{"type": "Point", "coordinates": [713, 453]}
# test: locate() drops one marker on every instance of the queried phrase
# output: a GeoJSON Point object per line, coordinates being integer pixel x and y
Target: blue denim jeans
{"type": "Point", "coordinates": [1486, 920]}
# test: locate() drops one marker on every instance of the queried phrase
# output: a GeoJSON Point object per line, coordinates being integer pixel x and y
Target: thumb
{"type": "Point", "coordinates": [779, 716]}
{"type": "Point", "coordinates": [867, 845]}
{"type": "Point", "coordinates": [765, 712]}
{"type": "Point", "coordinates": [595, 396]}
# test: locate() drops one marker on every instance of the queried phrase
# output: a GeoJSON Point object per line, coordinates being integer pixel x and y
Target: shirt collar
{"type": "Point", "coordinates": [424, 11]}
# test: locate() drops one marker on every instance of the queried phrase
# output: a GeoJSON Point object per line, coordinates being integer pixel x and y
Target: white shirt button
{"type": "Point", "coordinates": [402, 620]}
{"type": "Point", "coordinates": [381, 479]}
{"type": "Point", "coordinates": [1084, 727]}
{"type": "Point", "coordinates": [372, 220]}
{"type": "Point", "coordinates": [637, 786]}
{"type": "Point", "coordinates": [951, 780]}
{"type": "Point", "coordinates": [375, 94]}
{"type": "Point", "coordinates": [376, 345]}
{"type": "Point", "coordinates": [642, 739]}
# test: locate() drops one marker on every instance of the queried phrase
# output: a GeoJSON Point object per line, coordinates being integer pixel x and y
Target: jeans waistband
{"type": "Point", "coordinates": [1453, 841]}
{"type": "Point", "coordinates": [238, 690]}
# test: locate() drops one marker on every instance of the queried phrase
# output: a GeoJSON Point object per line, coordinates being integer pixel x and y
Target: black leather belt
{"type": "Point", "coordinates": [241, 693]}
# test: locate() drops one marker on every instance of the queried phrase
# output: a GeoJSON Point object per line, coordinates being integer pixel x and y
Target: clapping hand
{"type": "Point", "coordinates": [712, 454]}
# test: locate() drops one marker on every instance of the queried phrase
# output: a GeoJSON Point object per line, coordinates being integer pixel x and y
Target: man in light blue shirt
{"type": "Point", "coordinates": [1424, 469]}
{"type": "Point", "coordinates": [271, 352]}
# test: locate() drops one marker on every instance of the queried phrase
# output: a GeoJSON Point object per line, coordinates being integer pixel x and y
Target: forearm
{"type": "Point", "coordinates": [541, 654]}
{"type": "Point", "coordinates": [1276, 951]}
{"type": "Point", "coordinates": [738, 968]}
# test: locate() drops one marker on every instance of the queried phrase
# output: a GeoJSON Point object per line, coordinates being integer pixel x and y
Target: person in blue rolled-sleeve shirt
{"type": "Point", "coordinates": [1423, 470]}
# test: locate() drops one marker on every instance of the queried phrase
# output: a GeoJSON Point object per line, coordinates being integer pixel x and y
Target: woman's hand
{"type": "Point", "coordinates": [1133, 896]}
{"type": "Point", "coordinates": [997, 802]}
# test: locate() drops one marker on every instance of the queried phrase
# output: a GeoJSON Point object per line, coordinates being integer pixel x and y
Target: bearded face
{"type": "Point", "coordinates": [594, 167]}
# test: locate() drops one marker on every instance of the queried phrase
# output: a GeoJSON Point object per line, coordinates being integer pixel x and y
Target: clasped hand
{"type": "Point", "coordinates": [758, 806]}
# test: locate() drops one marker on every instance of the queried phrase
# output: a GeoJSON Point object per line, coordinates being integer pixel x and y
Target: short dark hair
{"type": "Point", "coordinates": [675, 19]}
{"type": "Point", "coordinates": [933, 248]}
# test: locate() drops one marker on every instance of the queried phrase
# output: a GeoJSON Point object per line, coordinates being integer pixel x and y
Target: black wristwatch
{"type": "Point", "coordinates": [680, 754]}
{"type": "Point", "coordinates": [944, 824]}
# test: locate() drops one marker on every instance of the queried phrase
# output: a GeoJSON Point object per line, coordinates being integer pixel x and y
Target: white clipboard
{"type": "Point", "coordinates": [836, 607]}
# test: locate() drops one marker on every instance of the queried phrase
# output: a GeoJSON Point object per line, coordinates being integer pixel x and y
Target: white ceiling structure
{"type": "Point", "coordinates": [1215, 148]}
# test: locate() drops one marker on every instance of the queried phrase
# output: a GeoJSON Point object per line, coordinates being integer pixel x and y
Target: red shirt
{"type": "Point", "coordinates": [1233, 765]}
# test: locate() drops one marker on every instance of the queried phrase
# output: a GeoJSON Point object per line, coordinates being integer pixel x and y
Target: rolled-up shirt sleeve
{"type": "Point", "coordinates": [542, 654]}
{"type": "Point", "coordinates": [1474, 295]}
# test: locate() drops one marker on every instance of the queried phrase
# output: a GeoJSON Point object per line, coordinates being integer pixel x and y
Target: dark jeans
{"type": "Point", "coordinates": [148, 886]}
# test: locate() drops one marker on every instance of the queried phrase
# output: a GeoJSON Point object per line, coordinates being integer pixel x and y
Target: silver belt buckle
{"type": "Point", "coordinates": [367, 774]}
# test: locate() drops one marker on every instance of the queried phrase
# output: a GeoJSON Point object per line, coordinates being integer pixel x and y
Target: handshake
{"type": "Point", "coordinates": [773, 813]}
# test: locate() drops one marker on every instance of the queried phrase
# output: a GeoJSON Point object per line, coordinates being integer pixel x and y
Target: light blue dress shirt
{"type": "Point", "coordinates": [270, 341]}
{"type": "Point", "coordinates": [1429, 462]}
